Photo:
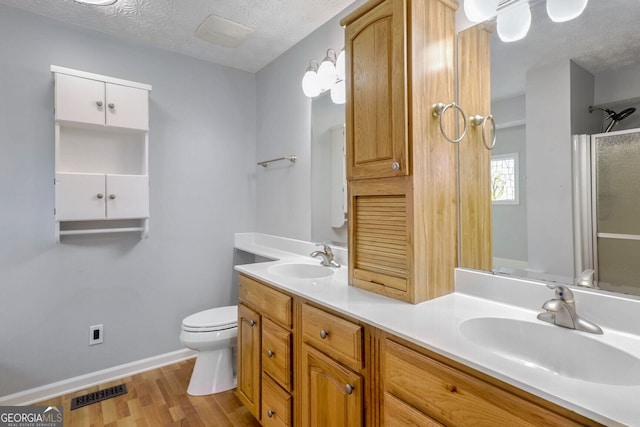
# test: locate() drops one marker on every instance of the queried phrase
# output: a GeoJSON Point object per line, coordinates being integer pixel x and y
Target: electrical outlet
{"type": "Point", "coordinates": [96, 333]}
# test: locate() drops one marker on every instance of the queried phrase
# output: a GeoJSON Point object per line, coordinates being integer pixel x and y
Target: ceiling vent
{"type": "Point", "coordinates": [223, 32]}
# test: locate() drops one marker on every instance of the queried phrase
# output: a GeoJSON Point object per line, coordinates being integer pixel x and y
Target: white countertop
{"type": "Point", "coordinates": [434, 325]}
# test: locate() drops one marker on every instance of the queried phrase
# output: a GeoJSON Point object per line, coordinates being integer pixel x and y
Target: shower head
{"type": "Point", "coordinates": [612, 116]}
{"type": "Point", "coordinates": [623, 114]}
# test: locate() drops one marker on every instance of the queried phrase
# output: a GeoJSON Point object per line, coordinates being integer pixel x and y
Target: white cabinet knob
{"type": "Point", "coordinates": [112, 196]}
{"type": "Point", "coordinates": [99, 103]}
{"type": "Point", "coordinates": [100, 195]}
{"type": "Point", "coordinates": [112, 105]}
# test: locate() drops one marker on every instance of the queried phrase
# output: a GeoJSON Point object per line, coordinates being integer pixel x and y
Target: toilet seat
{"type": "Point", "coordinates": [214, 319]}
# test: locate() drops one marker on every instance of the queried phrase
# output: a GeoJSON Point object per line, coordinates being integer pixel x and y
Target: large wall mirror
{"type": "Point", "coordinates": [565, 202]}
{"type": "Point", "coordinates": [328, 179]}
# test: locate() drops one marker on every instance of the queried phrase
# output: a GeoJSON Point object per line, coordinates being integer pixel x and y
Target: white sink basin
{"type": "Point", "coordinates": [301, 271]}
{"type": "Point", "coordinates": [554, 349]}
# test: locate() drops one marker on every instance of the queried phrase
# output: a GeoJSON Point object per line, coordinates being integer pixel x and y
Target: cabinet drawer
{"type": "Point", "coordinates": [269, 302]}
{"type": "Point", "coordinates": [455, 398]}
{"type": "Point", "coordinates": [339, 338]}
{"type": "Point", "coordinates": [276, 353]}
{"type": "Point", "coordinates": [399, 414]}
{"type": "Point", "coordinates": [276, 404]}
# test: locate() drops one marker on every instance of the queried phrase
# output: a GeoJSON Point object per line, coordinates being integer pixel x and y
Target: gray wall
{"type": "Point", "coordinates": [548, 107]}
{"type": "Point", "coordinates": [510, 221]}
{"type": "Point", "coordinates": [325, 116]}
{"type": "Point", "coordinates": [202, 154]}
{"type": "Point", "coordinates": [283, 128]}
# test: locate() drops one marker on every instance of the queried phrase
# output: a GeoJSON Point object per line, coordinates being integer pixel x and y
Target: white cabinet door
{"type": "Point", "coordinates": [127, 107]}
{"type": "Point", "coordinates": [79, 100]}
{"type": "Point", "coordinates": [127, 196]}
{"type": "Point", "coordinates": [80, 196]}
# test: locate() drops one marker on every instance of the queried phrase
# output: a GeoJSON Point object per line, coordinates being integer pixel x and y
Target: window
{"type": "Point", "coordinates": [504, 179]}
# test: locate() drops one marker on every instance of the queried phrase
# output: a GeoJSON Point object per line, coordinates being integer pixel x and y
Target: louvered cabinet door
{"type": "Point", "coordinates": [380, 246]}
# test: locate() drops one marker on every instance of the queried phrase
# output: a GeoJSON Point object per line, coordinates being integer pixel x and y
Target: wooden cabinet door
{"type": "Point", "coordinates": [80, 196]}
{"type": "Point", "coordinates": [332, 395]}
{"type": "Point", "coordinates": [377, 143]}
{"type": "Point", "coordinates": [249, 368]}
{"type": "Point", "coordinates": [127, 107]}
{"type": "Point", "coordinates": [127, 196]}
{"type": "Point", "coordinates": [79, 100]}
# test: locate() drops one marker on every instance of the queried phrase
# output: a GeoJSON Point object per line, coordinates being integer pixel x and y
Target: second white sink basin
{"type": "Point", "coordinates": [554, 349]}
{"type": "Point", "coordinates": [301, 271]}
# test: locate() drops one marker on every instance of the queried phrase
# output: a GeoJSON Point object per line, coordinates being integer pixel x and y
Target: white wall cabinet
{"type": "Point", "coordinates": [102, 145]}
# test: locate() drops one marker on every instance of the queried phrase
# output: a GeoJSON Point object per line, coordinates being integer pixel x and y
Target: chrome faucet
{"type": "Point", "coordinates": [326, 254]}
{"type": "Point", "coordinates": [561, 311]}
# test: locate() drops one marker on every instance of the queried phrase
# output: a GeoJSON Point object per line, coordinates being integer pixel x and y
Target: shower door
{"type": "Point", "coordinates": [615, 158]}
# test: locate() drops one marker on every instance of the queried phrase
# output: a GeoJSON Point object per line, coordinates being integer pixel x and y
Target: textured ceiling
{"type": "Point", "coordinates": [170, 24]}
{"type": "Point", "coordinates": [605, 37]}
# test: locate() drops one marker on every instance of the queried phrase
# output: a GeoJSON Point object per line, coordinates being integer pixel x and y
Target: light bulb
{"type": "Point", "coordinates": [340, 65]}
{"type": "Point", "coordinates": [514, 22]}
{"type": "Point", "coordinates": [310, 85]}
{"type": "Point", "coordinates": [327, 74]}
{"type": "Point", "coordinates": [338, 93]}
{"type": "Point", "coordinates": [480, 10]}
{"type": "Point", "coordinates": [565, 10]}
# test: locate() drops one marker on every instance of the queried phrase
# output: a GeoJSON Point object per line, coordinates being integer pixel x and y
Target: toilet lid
{"type": "Point", "coordinates": [212, 319]}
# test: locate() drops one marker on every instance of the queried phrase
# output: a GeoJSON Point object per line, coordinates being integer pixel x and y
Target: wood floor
{"type": "Point", "coordinates": [156, 398]}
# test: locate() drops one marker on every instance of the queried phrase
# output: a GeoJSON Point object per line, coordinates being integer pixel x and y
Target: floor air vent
{"type": "Point", "coordinates": [98, 396]}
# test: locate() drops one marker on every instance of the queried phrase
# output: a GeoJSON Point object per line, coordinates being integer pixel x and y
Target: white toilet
{"type": "Point", "coordinates": [213, 333]}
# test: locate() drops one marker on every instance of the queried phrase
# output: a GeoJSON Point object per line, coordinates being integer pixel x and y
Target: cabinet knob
{"type": "Point", "coordinates": [112, 105]}
{"type": "Point", "coordinates": [324, 334]}
{"type": "Point", "coordinates": [252, 323]}
{"type": "Point", "coordinates": [99, 103]}
{"type": "Point", "coordinates": [271, 413]}
{"type": "Point", "coordinates": [348, 388]}
{"type": "Point", "coordinates": [270, 353]}
{"type": "Point", "coordinates": [112, 196]}
{"type": "Point", "coordinates": [395, 166]}
{"type": "Point", "coordinates": [99, 195]}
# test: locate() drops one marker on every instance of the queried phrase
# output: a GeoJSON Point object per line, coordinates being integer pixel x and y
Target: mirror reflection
{"type": "Point", "coordinates": [554, 185]}
{"type": "Point", "coordinates": [328, 179]}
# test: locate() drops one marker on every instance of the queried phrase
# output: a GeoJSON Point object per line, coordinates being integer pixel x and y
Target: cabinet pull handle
{"type": "Point", "coordinates": [395, 166]}
{"type": "Point", "coordinates": [271, 413]}
{"type": "Point", "coordinates": [270, 353]}
{"type": "Point", "coordinates": [112, 196]}
{"type": "Point", "coordinates": [99, 195]}
{"type": "Point", "coordinates": [324, 334]}
{"type": "Point", "coordinates": [348, 388]}
{"type": "Point", "coordinates": [99, 103]}
{"type": "Point", "coordinates": [252, 323]}
{"type": "Point", "coordinates": [112, 105]}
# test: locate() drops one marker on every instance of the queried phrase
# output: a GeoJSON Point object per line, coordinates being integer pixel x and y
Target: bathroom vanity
{"type": "Point", "coordinates": [352, 357]}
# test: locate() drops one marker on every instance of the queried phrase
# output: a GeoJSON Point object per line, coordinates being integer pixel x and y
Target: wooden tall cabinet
{"type": "Point", "coordinates": [474, 96]}
{"type": "Point", "coordinates": [401, 170]}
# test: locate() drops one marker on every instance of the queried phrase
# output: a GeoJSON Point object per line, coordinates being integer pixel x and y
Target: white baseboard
{"type": "Point", "coordinates": [71, 385]}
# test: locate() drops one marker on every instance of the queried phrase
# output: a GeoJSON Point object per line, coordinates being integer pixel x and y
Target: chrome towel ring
{"type": "Point", "coordinates": [478, 120]}
{"type": "Point", "coordinates": [439, 109]}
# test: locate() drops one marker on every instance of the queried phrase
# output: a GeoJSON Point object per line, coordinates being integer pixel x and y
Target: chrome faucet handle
{"type": "Point", "coordinates": [562, 292]}
{"type": "Point", "coordinates": [326, 248]}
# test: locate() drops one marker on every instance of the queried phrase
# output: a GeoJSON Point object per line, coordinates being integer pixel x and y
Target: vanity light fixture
{"type": "Point", "coordinates": [329, 76]}
{"type": "Point", "coordinates": [514, 22]}
{"type": "Point", "coordinates": [96, 2]}
{"type": "Point", "coordinates": [310, 84]}
{"type": "Point", "coordinates": [327, 73]}
{"type": "Point", "coordinates": [514, 16]}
